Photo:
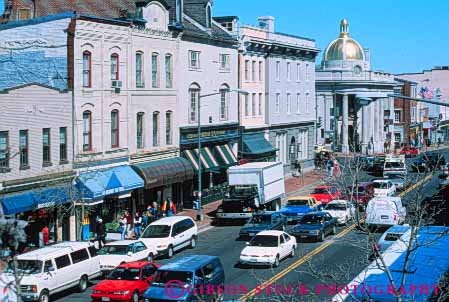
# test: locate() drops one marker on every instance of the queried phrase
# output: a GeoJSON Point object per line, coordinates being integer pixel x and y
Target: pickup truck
{"type": "Point", "coordinates": [298, 206]}
{"type": "Point", "coordinates": [263, 221]}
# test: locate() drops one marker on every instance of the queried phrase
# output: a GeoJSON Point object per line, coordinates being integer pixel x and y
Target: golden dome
{"type": "Point", "coordinates": [344, 48]}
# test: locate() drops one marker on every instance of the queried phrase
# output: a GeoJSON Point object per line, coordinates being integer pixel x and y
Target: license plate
{"type": "Point", "coordinates": [253, 259]}
{"type": "Point", "coordinates": [383, 217]}
{"type": "Point", "coordinates": [303, 236]}
{"type": "Point", "coordinates": [105, 299]}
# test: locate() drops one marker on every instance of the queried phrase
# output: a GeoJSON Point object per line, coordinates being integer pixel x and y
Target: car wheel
{"type": "Point", "coordinates": [193, 242]}
{"type": "Point", "coordinates": [334, 230]}
{"type": "Point", "coordinates": [276, 261]}
{"type": "Point", "coordinates": [292, 254]}
{"type": "Point", "coordinates": [135, 297]}
{"type": "Point", "coordinates": [82, 286]}
{"type": "Point", "coordinates": [44, 296]}
{"type": "Point", "coordinates": [170, 251]}
{"type": "Point", "coordinates": [150, 257]}
{"type": "Point", "coordinates": [322, 237]}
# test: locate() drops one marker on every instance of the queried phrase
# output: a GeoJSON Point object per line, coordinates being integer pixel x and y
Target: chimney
{"type": "Point", "coordinates": [179, 11]}
{"type": "Point", "coordinates": [266, 23]}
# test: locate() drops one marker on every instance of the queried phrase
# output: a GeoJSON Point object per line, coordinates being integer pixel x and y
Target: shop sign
{"type": "Point", "coordinates": [187, 136]}
{"type": "Point", "coordinates": [46, 205]}
{"type": "Point", "coordinates": [113, 191]}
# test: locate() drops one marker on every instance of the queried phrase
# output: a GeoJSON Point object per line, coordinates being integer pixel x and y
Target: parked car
{"type": "Point", "coordinates": [364, 162]}
{"type": "Point", "coordinates": [171, 234]}
{"type": "Point", "coordinates": [342, 210]}
{"type": "Point", "coordinates": [325, 194]}
{"type": "Point", "coordinates": [384, 187]}
{"type": "Point", "coordinates": [263, 221]}
{"type": "Point", "coordinates": [127, 282]}
{"type": "Point", "coordinates": [361, 193]}
{"type": "Point", "coordinates": [399, 180]}
{"type": "Point", "coordinates": [118, 252]}
{"type": "Point", "coordinates": [409, 151]}
{"type": "Point", "coordinates": [395, 165]}
{"type": "Point", "coordinates": [316, 226]}
{"type": "Point", "coordinates": [445, 169]}
{"type": "Point", "coordinates": [297, 206]}
{"type": "Point", "coordinates": [53, 269]}
{"type": "Point", "coordinates": [174, 281]}
{"type": "Point", "coordinates": [419, 165]}
{"type": "Point", "coordinates": [378, 166]}
{"type": "Point", "coordinates": [428, 162]}
{"type": "Point", "coordinates": [385, 211]}
{"type": "Point", "coordinates": [391, 235]}
{"type": "Point", "coordinates": [268, 248]}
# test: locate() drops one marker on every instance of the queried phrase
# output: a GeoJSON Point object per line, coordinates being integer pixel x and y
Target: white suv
{"type": "Point", "coordinates": [170, 234]}
{"type": "Point", "coordinates": [55, 268]}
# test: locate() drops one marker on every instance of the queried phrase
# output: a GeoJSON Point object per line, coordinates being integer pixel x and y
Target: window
{"type": "Point", "coordinates": [260, 71]}
{"type": "Point", "coordinates": [247, 70]}
{"type": "Point", "coordinates": [386, 113]}
{"type": "Point", "coordinates": [87, 132]}
{"type": "Point", "coordinates": [298, 72]}
{"type": "Point", "coordinates": [298, 103]}
{"type": "Point", "coordinates": [253, 71]}
{"type": "Point", "coordinates": [92, 251]}
{"type": "Point", "coordinates": [139, 130]}
{"type": "Point", "coordinates": [24, 14]}
{"type": "Point", "coordinates": [79, 256]}
{"type": "Point", "coordinates": [246, 105]}
{"type": "Point", "coordinates": [224, 61]}
{"type": "Point", "coordinates": [4, 150]}
{"type": "Point", "coordinates": [194, 59]}
{"type": "Point", "coordinates": [87, 69]}
{"type": "Point", "coordinates": [307, 72]}
{"type": "Point", "coordinates": [397, 116]}
{"type": "Point", "coordinates": [139, 70]}
{"type": "Point", "coordinates": [155, 70]}
{"type": "Point", "coordinates": [168, 128]}
{"type": "Point", "coordinates": [114, 67]}
{"type": "Point", "coordinates": [114, 128]}
{"type": "Point", "coordinates": [289, 104]}
{"type": "Point", "coordinates": [303, 144]}
{"type": "Point", "coordinates": [260, 103]}
{"type": "Point", "coordinates": [63, 144]}
{"type": "Point", "coordinates": [253, 104]}
{"type": "Point", "coordinates": [47, 266]}
{"type": "Point", "coordinates": [288, 71]}
{"type": "Point", "coordinates": [397, 137]}
{"type": "Point", "coordinates": [62, 261]}
{"type": "Point", "coordinates": [278, 102]}
{"type": "Point", "coordinates": [168, 72]}
{"type": "Point", "coordinates": [46, 152]}
{"type": "Point", "coordinates": [194, 93]}
{"type": "Point", "coordinates": [278, 70]}
{"type": "Point", "coordinates": [148, 271]}
{"type": "Point", "coordinates": [224, 96]}
{"type": "Point", "coordinates": [307, 102]}
{"type": "Point", "coordinates": [155, 129]}
{"type": "Point", "coordinates": [208, 16]}
{"type": "Point", "coordinates": [23, 149]}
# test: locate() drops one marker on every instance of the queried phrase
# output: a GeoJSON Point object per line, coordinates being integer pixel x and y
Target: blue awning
{"type": "Point", "coordinates": [39, 198]}
{"type": "Point", "coordinates": [256, 144]}
{"type": "Point", "coordinates": [113, 181]}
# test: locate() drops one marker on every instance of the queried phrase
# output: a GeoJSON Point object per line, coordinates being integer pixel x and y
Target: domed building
{"type": "Point", "coordinates": [354, 112]}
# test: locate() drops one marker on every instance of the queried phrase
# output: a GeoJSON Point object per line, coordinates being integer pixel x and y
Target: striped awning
{"type": "Point", "coordinates": [227, 157]}
{"type": "Point", "coordinates": [208, 161]}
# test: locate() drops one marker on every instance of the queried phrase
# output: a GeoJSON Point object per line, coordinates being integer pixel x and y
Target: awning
{"type": "Point", "coordinates": [164, 172]}
{"type": "Point", "coordinates": [113, 181]}
{"type": "Point", "coordinates": [38, 198]}
{"type": "Point", "coordinates": [226, 156]}
{"type": "Point", "coordinates": [256, 144]}
{"type": "Point", "coordinates": [208, 161]}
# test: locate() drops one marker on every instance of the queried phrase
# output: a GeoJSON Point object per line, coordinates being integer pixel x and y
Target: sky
{"type": "Point", "coordinates": [403, 35]}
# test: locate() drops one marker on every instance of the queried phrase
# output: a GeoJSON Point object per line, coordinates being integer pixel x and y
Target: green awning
{"type": "Point", "coordinates": [256, 144]}
{"type": "Point", "coordinates": [208, 161]}
{"type": "Point", "coordinates": [225, 155]}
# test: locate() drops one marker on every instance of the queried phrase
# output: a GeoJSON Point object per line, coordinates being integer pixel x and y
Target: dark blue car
{"type": "Point", "coordinates": [263, 221]}
{"type": "Point", "coordinates": [316, 225]}
{"type": "Point", "coordinates": [187, 279]}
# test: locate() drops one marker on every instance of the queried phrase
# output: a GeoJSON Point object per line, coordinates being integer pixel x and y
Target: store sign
{"type": "Point", "coordinates": [46, 205]}
{"type": "Point", "coordinates": [190, 135]}
{"type": "Point", "coordinates": [206, 134]}
{"type": "Point", "coordinates": [113, 191]}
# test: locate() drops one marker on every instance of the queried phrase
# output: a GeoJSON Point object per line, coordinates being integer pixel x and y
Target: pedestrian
{"type": "Point", "coordinates": [330, 167]}
{"type": "Point", "coordinates": [147, 217]}
{"type": "Point", "coordinates": [122, 227]}
{"type": "Point", "coordinates": [155, 211]}
{"type": "Point", "coordinates": [129, 221]}
{"type": "Point", "coordinates": [45, 235]}
{"type": "Point", "coordinates": [137, 225]}
{"type": "Point", "coordinates": [101, 233]}
{"type": "Point", "coordinates": [168, 207]}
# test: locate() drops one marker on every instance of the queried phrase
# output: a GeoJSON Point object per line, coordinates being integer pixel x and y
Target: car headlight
{"type": "Point", "coordinates": [123, 292]}
{"type": "Point", "coordinates": [162, 246]}
{"type": "Point", "coordinates": [316, 232]}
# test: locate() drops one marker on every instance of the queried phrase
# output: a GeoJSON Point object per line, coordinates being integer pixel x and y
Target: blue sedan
{"type": "Point", "coordinates": [316, 225]}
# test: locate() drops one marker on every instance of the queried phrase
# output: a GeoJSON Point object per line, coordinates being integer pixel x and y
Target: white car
{"type": "Point", "coordinates": [343, 210]}
{"type": "Point", "coordinates": [171, 234]}
{"type": "Point", "coordinates": [115, 253]}
{"type": "Point", "coordinates": [384, 187]}
{"type": "Point", "coordinates": [268, 248]}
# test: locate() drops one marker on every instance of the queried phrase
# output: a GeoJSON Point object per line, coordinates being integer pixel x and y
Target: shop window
{"type": "Point", "coordinates": [62, 261]}
{"type": "Point", "coordinates": [79, 256]}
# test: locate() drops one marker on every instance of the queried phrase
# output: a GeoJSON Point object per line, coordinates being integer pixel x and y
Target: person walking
{"type": "Point", "coordinates": [147, 217]}
{"type": "Point", "coordinates": [168, 207]}
{"type": "Point", "coordinates": [122, 227]}
{"type": "Point", "coordinates": [129, 222]}
{"type": "Point", "coordinates": [155, 211]}
{"type": "Point", "coordinates": [330, 167]}
{"type": "Point", "coordinates": [137, 225]}
{"type": "Point", "coordinates": [101, 233]}
{"type": "Point", "coordinates": [45, 235]}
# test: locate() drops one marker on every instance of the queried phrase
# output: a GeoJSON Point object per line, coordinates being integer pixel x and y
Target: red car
{"type": "Point", "coordinates": [365, 193]}
{"type": "Point", "coordinates": [409, 151]}
{"type": "Point", "coordinates": [127, 282]}
{"type": "Point", "coordinates": [326, 194]}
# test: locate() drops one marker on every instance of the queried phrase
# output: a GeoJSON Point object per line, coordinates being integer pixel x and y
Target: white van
{"type": "Point", "coordinates": [55, 268]}
{"type": "Point", "coordinates": [170, 234]}
{"type": "Point", "coordinates": [395, 165]}
{"type": "Point", "coordinates": [385, 211]}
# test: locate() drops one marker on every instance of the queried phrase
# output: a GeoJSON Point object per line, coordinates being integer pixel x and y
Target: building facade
{"type": "Point", "coordinates": [405, 115]}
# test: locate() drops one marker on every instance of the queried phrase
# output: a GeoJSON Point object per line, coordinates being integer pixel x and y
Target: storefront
{"type": "Point", "coordinates": [256, 148]}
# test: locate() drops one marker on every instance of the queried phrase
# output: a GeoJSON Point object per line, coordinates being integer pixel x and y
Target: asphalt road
{"type": "Point", "coordinates": [309, 276]}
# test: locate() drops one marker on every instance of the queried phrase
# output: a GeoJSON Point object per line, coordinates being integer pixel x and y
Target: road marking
{"type": "Point", "coordinates": [205, 229]}
{"type": "Point", "coordinates": [428, 177]}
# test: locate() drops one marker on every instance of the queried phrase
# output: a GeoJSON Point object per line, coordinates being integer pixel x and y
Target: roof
{"type": "Point", "coordinates": [270, 233]}
{"type": "Point", "coordinates": [338, 201]}
{"type": "Point", "coordinates": [136, 264]}
{"type": "Point", "coordinates": [324, 187]}
{"type": "Point", "coordinates": [398, 229]}
{"type": "Point", "coordinates": [188, 263]}
{"type": "Point", "coordinates": [300, 197]}
{"type": "Point", "coordinates": [169, 220]}
{"type": "Point", "coordinates": [55, 250]}
{"type": "Point", "coordinates": [123, 242]}
{"type": "Point", "coordinates": [316, 213]}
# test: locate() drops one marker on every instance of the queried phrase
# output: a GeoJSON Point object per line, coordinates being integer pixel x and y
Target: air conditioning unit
{"type": "Point", "coordinates": [116, 84]}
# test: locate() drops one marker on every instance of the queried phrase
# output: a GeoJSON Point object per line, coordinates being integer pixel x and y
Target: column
{"type": "Point", "coordinates": [376, 126]}
{"type": "Point", "coordinates": [344, 126]}
{"type": "Point", "coordinates": [366, 119]}
{"type": "Point", "coordinates": [371, 126]}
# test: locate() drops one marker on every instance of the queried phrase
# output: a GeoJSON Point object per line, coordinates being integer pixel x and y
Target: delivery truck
{"type": "Point", "coordinates": [253, 187]}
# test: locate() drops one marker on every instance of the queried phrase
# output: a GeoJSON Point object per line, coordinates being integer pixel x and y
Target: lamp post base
{"type": "Point", "coordinates": [199, 216]}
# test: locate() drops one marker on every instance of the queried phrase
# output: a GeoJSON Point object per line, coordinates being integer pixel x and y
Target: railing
{"type": "Point", "coordinates": [214, 194]}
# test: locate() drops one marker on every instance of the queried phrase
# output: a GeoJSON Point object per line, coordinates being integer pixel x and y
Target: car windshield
{"type": "Point", "coordinates": [395, 176]}
{"type": "Point", "coordinates": [115, 250]}
{"type": "Point", "coordinates": [298, 202]}
{"type": "Point", "coordinates": [394, 165]}
{"type": "Point", "coordinates": [242, 190]}
{"type": "Point", "coordinates": [26, 267]}
{"type": "Point", "coordinates": [260, 219]}
{"type": "Point", "coordinates": [312, 219]}
{"type": "Point", "coordinates": [166, 277]}
{"type": "Point", "coordinates": [335, 207]}
{"type": "Point", "coordinates": [361, 190]}
{"type": "Point", "coordinates": [156, 231]}
{"type": "Point", "coordinates": [321, 191]}
{"type": "Point", "coordinates": [124, 274]}
{"type": "Point", "coordinates": [392, 237]}
{"type": "Point", "coordinates": [380, 185]}
{"type": "Point", "coordinates": [264, 241]}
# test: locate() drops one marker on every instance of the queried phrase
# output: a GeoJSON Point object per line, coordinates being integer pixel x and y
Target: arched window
{"type": "Point", "coordinates": [168, 71]}
{"type": "Point", "coordinates": [168, 128]}
{"type": "Point", "coordinates": [114, 67]}
{"type": "Point", "coordinates": [224, 100]}
{"type": "Point", "coordinates": [194, 94]}
{"type": "Point", "coordinates": [140, 122]}
{"type": "Point", "coordinates": [139, 70]}
{"type": "Point", "coordinates": [115, 128]}
{"type": "Point", "coordinates": [155, 70]}
{"type": "Point", "coordinates": [208, 16]}
{"type": "Point", "coordinates": [87, 131]}
{"type": "Point", "coordinates": [155, 128]}
{"type": "Point", "coordinates": [87, 69]}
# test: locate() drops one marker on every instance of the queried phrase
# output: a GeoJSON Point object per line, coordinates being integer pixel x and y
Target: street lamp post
{"type": "Point", "coordinates": [199, 215]}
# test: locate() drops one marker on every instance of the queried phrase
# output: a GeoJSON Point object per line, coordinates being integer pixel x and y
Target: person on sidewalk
{"type": "Point", "coordinates": [129, 221]}
{"type": "Point", "coordinates": [168, 207]}
{"type": "Point", "coordinates": [122, 227]}
{"type": "Point", "coordinates": [137, 225]}
{"type": "Point", "coordinates": [330, 167]}
{"type": "Point", "coordinates": [154, 211]}
{"type": "Point", "coordinates": [101, 233]}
